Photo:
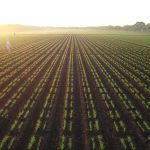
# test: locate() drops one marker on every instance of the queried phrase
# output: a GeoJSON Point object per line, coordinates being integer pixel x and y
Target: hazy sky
{"type": "Point", "coordinates": [74, 12]}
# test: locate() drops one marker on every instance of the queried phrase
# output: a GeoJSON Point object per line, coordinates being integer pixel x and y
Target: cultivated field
{"type": "Point", "coordinates": [75, 92]}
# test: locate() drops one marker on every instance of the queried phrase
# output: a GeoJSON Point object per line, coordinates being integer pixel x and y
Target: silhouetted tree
{"type": "Point", "coordinates": [139, 26]}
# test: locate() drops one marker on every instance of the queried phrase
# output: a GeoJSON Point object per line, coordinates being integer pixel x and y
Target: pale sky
{"type": "Point", "coordinates": [74, 12]}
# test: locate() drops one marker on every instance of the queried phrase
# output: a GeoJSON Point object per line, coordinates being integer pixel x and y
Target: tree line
{"type": "Point", "coordinates": [138, 26]}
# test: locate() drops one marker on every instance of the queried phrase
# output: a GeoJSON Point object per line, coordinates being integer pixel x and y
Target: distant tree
{"type": "Point", "coordinates": [117, 28]}
{"type": "Point", "coordinates": [127, 27]}
{"type": "Point", "coordinates": [110, 27]}
{"type": "Point", "coordinates": [139, 26]}
{"type": "Point", "coordinates": [148, 26]}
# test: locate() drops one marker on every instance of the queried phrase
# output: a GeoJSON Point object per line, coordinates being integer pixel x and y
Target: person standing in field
{"type": "Point", "coordinates": [8, 45]}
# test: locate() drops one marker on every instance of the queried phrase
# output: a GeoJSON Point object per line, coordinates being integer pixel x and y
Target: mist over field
{"type": "Point", "coordinates": [137, 27]}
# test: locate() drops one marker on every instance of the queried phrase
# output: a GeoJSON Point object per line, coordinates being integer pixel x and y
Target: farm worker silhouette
{"type": "Point", "coordinates": [8, 45]}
